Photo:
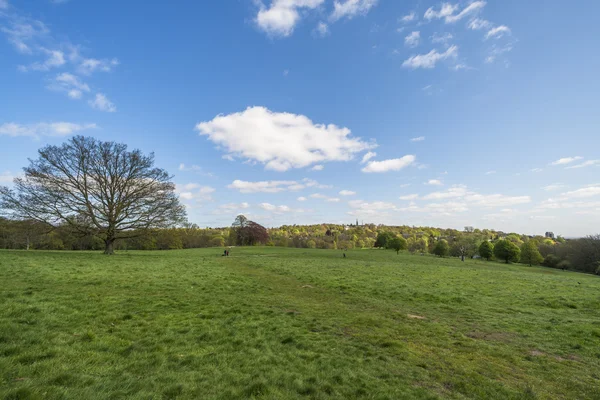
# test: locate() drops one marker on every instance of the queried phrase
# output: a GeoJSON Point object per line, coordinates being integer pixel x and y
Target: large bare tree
{"type": "Point", "coordinates": [97, 188]}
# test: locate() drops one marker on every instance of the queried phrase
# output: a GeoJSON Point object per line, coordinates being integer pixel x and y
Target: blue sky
{"type": "Point", "coordinates": [305, 111]}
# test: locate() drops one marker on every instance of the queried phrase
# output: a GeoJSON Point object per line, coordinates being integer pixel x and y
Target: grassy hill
{"type": "Point", "coordinates": [293, 323]}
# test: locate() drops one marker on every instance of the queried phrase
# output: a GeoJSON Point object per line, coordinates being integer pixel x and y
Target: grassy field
{"type": "Point", "coordinates": [292, 323]}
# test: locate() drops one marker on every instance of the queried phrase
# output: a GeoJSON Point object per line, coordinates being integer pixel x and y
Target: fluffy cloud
{"type": "Point", "coordinates": [54, 59]}
{"type": "Point", "coordinates": [584, 192]}
{"type": "Point", "coordinates": [44, 129]}
{"type": "Point", "coordinates": [281, 140]}
{"type": "Point", "coordinates": [418, 139]}
{"type": "Point", "coordinates": [389, 165]}
{"type": "Point", "coordinates": [90, 65]}
{"type": "Point", "coordinates": [434, 182]}
{"type": "Point", "coordinates": [351, 8]}
{"type": "Point", "coordinates": [281, 17]}
{"type": "Point", "coordinates": [447, 12]}
{"type": "Point", "coordinates": [317, 168]}
{"type": "Point", "coordinates": [413, 39]}
{"type": "Point", "coordinates": [194, 191]}
{"type": "Point", "coordinates": [409, 197]}
{"type": "Point", "coordinates": [409, 17]}
{"type": "Point", "coordinates": [430, 59]}
{"type": "Point", "coordinates": [102, 103]}
{"type": "Point", "coordinates": [566, 160]}
{"type": "Point", "coordinates": [301, 198]}
{"type": "Point", "coordinates": [368, 156]}
{"type": "Point", "coordinates": [70, 84]}
{"type": "Point", "coordinates": [274, 186]}
{"type": "Point", "coordinates": [497, 32]}
{"type": "Point", "coordinates": [347, 193]}
{"type": "Point", "coordinates": [588, 163]}
{"type": "Point", "coordinates": [322, 29]}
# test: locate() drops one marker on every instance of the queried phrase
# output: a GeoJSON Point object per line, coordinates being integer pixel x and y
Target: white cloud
{"type": "Point", "coordinates": [70, 84]}
{"type": "Point", "coordinates": [351, 8]}
{"type": "Point", "coordinates": [277, 209]}
{"type": "Point", "coordinates": [231, 208]}
{"type": "Point", "coordinates": [368, 156]}
{"type": "Point", "coordinates": [553, 187]}
{"type": "Point", "coordinates": [536, 170]}
{"type": "Point", "coordinates": [301, 198]}
{"type": "Point", "coordinates": [498, 32]}
{"type": "Point", "coordinates": [434, 182]}
{"type": "Point", "coordinates": [453, 192]}
{"type": "Point", "coordinates": [478, 23]}
{"type": "Point", "coordinates": [274, 186]}
{"type": "Point", "coordinates": [566, 160]}
{"type": "Point", "coordinates": [409, 17]}
{"type": "Point", "coordinates": [54, 59]}
{"type": "Point", "coordinates": [3, 4]}
{"type": "Point", "coordinates": [102, 103]}
{"type": "Point", "coordinates": [588, 191]}
{"type": "Point", "coordinates": [317, 168]}
{"type": "Point", "coordinates": [90, 65]}
{"type": "Point", "coordinates": [409, 197]}
{"type": "Point", "coordinates": [333, 200]}
{"type": "Point", "coordinates": [490, 172]}
{"type": "Point", "coordinates": [282, 16]}
{"type": "Point", "coordinates": [347, 193]}
{"type": "Point", "coordinates": [194, 191]}
{"type": "Point", "coordinates": [389, 165]}
{"type": "Point", "coordinates": [418, 139]}
{"type": "Point", "coordinates": [447, 12]}
{"type": "Point", "coordinates": [430, 59]}
{"type": "Point", "coordinates": [322, 29]}
{"type": "Point", "coordinates": [21, 32]}
{"type": "Point", "coordinates": [44, 129]}
{"type": "Point", "coordinates": [496, 51]}
{"type": "Point", "coordinates": [588, 163]}
{"type": "Point", "coordinates": [413, 39]}
{"type": "Point", "coordinates": [441, 38]}
{"type": "Point", "coordinates": [281, 140]}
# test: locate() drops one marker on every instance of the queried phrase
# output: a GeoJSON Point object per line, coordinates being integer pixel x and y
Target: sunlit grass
{"type": "Point", "coordinates": [292, 323]}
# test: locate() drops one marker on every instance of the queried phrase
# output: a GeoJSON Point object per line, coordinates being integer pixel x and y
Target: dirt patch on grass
{"type": "Point", "coordinates": [411, 316]}
{"type": "Point", "coordinates": [536, 353]}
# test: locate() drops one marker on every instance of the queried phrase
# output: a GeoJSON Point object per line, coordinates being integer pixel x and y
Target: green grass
{"type": "Point", "coordinates": [279, 323]}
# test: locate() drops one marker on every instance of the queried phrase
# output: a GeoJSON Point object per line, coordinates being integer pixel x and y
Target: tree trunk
{"type": "Point", "coordinates": [28, 242]}
{"type": "Point", "coordinates": [109, 246]}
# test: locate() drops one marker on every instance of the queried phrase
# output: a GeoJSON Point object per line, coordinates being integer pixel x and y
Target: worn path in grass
{"type": "Point", "coordinates": [288, 323]}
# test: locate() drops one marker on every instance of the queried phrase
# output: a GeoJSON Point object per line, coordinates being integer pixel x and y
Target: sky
{"type": "Point", "coordinates": [425, 113]}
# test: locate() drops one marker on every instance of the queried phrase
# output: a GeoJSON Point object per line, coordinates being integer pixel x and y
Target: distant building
{"type": "Point", "coordinates": [550, 235]}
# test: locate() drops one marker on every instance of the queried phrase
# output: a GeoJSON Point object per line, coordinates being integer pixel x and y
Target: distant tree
{"type": "Point", "coordinates": [530, 253]}
{"type": "Point", "coordinates": [507, 251]}
{"type": "Point", "coordinates": [441, 248]}
{"type": "Point", "coordinates": [249, 233]}
{"type": "Point", "coordinates": [97, 188]}
{"type": "Point", "coordinates": [311, 244]}
{"type": "Point", "coordinates": [486, 250]}
{"type": "Point", "coordinates": [469, 229]}
{"type": "Point", "coordinates": [382, 240]}
{"type": "Point", "coordinates": [464, 246]}
{"type": "Point", "coordinates": [398, 243]}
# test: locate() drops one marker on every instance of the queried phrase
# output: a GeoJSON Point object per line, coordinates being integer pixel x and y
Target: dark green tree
{"type": "Point", "coordinates": [442, 248]}
{"type": "Point", "coordinates": [398, 243]}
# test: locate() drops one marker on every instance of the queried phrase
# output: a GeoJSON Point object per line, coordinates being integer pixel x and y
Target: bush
{"type": "Point", "coordinates": [551, 261]}
{"type": "Point", "coordinates": [507, 251]}
{"type": "Point", "coordinates": [441, 248]}
{"type": "Point", "coordinates": [564, 265]}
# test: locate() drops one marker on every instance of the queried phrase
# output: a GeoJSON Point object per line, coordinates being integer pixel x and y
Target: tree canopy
{"type": "Point", "coordinates": [97, 188]}
{"type": "Point", "coordinates": [507, 251]}
{"type": "Point", "coordinates": [248, 233]}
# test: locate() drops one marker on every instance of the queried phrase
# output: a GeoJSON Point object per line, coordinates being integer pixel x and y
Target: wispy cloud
{"type": "Point", "coordinates": [409, 17]}
{"type": "Point", "coordinates": [351, 8]}
{"type": "Point", "coordinates": [413, 39]}
{"type": "Point", "coordinates": [434, 182]}
{"type": "Point", "coordinates": [588, 163]}
{"type": "Point", "coordinates": [395, 164]}
{"type": "Point", "coordinates": [44, 129]}
{"type": "Point", "coordinates": [274, 186]}
{"type": "Point", "coordinates": [566, 160]}
{"type": "Point", "coordinates": [429, 60]}
{"type": "Point", "coordinates": [418, 139]}
{"type": "Point", "coordinates": [448, 11]}
{"type": "Point", "coordinates": [102, 103]}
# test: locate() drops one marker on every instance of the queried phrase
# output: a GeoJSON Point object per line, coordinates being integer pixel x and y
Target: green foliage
{"type": "Point", "coordinates": [530, 254]}
{"type": "Point", "coordinates": [507, 251]}
{"type": "Point", "coordinates": [441, 249]}
{"type": "Point", "coordinates": [398, 243]}
{"type": "Point", "coordinates": [486, 250]}
{"type": "Point", "coordinates": [279, 323]}
{"type": "Point", "coordinates": [383, 238]}
{"type": "Point", "coordinates": [551, 261]}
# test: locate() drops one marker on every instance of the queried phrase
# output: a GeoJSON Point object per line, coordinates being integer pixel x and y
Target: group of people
{"type": "Point", "coordinates": [225, 253]}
